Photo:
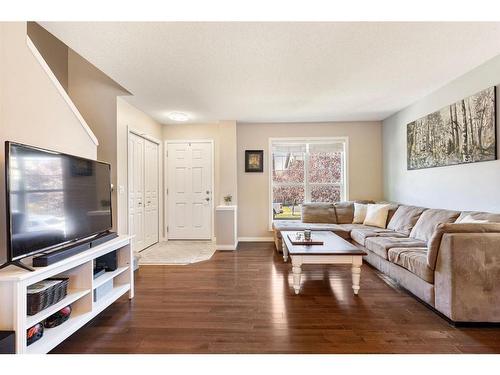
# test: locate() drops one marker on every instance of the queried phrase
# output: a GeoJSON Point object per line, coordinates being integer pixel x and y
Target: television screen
{"type": "Point", "coordinates": [53, 199]}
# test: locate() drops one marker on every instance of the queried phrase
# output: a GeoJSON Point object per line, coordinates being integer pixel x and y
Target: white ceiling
{"type": "Point", "coordinates": [280, 72]}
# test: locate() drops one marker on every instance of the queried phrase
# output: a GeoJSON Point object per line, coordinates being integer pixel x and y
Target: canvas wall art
{"type": "Point", "coordinates": [463, 132]}
{"type": "Point", "coordinates": [254, 161]}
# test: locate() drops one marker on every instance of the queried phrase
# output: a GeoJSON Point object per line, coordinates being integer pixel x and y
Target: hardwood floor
{"type": "Point", "coordinates": [243, 302]}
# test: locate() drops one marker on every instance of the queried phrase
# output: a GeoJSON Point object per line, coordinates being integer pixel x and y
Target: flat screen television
{"type": "Point", "coordinates": [53, 199]}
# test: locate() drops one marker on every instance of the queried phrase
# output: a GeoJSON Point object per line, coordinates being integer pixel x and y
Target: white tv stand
{"type": "Point", "coordinates": [79, 269]}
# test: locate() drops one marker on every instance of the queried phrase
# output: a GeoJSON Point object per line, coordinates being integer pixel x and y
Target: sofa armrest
{"type": "Point", "coordinates": [278, 241]}
{"type": "Point", "coordinates": [467, 277]}
{"type": "Point", "coordinates": [434, 243]}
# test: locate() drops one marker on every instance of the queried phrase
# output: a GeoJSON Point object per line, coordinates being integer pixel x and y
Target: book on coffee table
{"type": "Point", "coordinates": [303, 241]}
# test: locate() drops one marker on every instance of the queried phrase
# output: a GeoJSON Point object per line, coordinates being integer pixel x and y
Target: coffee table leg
{"type": "Point", "coordinates": [285, 252]}
{"type": "Point", "coordinates": [297, 271]}
{"type": "Point", "coordinates": [356, 274]}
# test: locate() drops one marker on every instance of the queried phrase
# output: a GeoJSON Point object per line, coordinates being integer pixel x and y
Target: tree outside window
{"type": "Point", "coordinates": [306, 171]}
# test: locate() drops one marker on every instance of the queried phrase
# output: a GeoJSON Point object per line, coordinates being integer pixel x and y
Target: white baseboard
{"type": "Point", "coordinates": [226, 247]}
{"type": "Point", "coordinates": [255, 239]}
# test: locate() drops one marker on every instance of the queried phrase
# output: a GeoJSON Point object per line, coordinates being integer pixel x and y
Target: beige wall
{"type": "Point", "coordinates": [223, 134]}
{"type": "Point", "coordinates": [32, 110]}
{"type": "Point", "coordinates": [364, 164]}
{"type": "Point", "coordinates": [97, 98]}
{"type": "Point", "coordinates": [228, 163]}
{"type": "Point", "coordinates": [94, 94]}
{"type": "Point", "coordinates": [54, 52]}
{"type": "Point", "coordinates": [130, 117]}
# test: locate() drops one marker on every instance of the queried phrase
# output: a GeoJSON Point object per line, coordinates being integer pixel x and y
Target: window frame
{"type": "Point", "coordinates": [345, 175]}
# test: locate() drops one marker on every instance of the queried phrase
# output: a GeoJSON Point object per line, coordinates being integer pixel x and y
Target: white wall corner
{"type": "Point", "coordinates": [61, 89]}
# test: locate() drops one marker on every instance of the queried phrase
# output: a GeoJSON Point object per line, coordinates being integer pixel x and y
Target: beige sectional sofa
{"type": "Point", "coordinates": [451, 265]}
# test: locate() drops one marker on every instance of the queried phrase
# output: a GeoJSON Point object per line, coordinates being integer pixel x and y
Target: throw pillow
{"type": "Point", "coordinates": [491, 217]}
{"type": "Point", "coordinates": [359, 213]}
{"type": "Point", "coordinates": [376, 215]}
{"type": "Point", "coordinates": [470, 219]}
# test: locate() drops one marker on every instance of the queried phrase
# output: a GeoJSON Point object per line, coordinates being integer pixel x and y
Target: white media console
{"type": "Point", "coordinates": [79, 270]}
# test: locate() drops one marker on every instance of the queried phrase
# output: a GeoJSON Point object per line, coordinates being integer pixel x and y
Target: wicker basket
{"type": "Point", "coordinates": [38, 301]}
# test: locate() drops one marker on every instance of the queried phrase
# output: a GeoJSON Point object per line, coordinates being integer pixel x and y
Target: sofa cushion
{"type": "Point", "coordinates": [412, 259]}
{"type": "Point", "coordinates": [429, 220]}
{"type": "Point", "coordinates": [281, 225]}
{"type": "Point", "coordinates": [470, 220]}
{"type": "Point", "coordinates": [490, 217]}
{"type": "Point", "coordinates": [404, 219]}
{"type": "Point", "coordinates": [376, 215]}
{"type": "Point", "coordinates": [350, 227]}
{"type": "Point", "coordinates": [380, 245]}
{"type": "Point", "coordinates": [360, 235]}
{"type": "Point", "coordinates": [345, 211]}
{"type": "Point", "coordinates": [319, 213]}
{"type": "Point", "coordinates": [359, 213]}
{"type": "Point", "coordinates": [392, 210]}
{"type": "Point", "coordinates": [299, 225]}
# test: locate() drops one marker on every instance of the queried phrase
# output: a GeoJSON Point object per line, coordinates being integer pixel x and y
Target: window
{"type": "Point", "coordinates": [306, 170]}
{"type": "Point", "coordinates": [37, 189]}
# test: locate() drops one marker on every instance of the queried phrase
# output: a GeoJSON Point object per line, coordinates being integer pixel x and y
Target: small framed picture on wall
{"type": "Point", "coordinates": [254, 161]}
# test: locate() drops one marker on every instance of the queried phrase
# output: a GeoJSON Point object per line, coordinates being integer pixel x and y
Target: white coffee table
{"type": "Point", "coordinates": [335, 250]}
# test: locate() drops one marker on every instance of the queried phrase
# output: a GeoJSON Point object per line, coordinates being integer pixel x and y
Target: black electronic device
{"type": "Point", "coordinates": [47, 259]}
{"type": "Point", "coordinates": [102, 238]}
{"type": "Point", "coordinates": [98, 272]}
{"type": "Point", "coordinates": [7, 342]}
{"type": "Point", "coordinates": [107, 262]}
{"type": "Point", "coordinates": [54, 201]}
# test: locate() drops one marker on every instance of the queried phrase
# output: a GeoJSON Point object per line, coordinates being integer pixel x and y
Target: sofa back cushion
{"type": "Point", "coordinates": [404, 219]}
{"type": "Point", "coordinates": [429, 220]}
{"type": "Point", "coordinates": [474, 215]}
{"type": "Point", "coordinates": [345, 210]}
{"type": "Point", "coordinates": [393, 207]}
{"type": "Point", "coordinates": [319, 213]}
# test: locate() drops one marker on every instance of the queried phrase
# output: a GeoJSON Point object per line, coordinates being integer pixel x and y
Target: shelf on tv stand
{"type": "Point", "coordinates": [79, 270]}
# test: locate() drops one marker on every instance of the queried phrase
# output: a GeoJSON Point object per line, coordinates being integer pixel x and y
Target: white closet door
{"type": "Point", "coordinates": [136, 190]}
{"type": "Point", "coordinates": [151, 192]}
{"type": "Point", "coordinates": [189, 181]}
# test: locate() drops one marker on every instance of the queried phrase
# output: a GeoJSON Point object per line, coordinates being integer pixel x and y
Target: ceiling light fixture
{"type": "Point", "coordinates": [178, 116]}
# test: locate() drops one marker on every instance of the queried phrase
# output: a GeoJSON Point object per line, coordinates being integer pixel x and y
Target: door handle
{"type": "Point", "coordinates": [207, 199]}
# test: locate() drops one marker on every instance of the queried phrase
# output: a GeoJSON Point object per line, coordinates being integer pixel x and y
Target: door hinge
{"type": "Point", "coordinates": [167, 154]}
{"type": "Point", "coordinates": [167, 228]}
{"type": "Point", "coordinates": [167, 191]}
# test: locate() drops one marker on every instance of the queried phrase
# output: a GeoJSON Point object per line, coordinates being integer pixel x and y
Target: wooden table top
{"type": "Point", "coordinates": [332, 245]}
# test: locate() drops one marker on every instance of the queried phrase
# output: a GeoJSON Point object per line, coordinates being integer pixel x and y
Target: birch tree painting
{"type": "Point", "coordinates": [463, 132]}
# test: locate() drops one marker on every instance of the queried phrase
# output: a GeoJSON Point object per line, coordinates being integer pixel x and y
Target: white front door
{"type": "Point", "coordinates": [189, 190]}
